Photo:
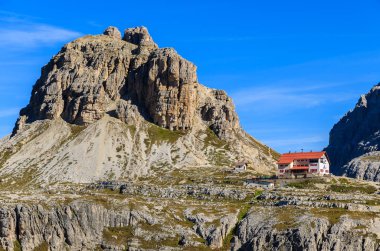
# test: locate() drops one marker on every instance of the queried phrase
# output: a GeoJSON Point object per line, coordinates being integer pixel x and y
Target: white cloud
{"type": "Point", "coordinates": [295, 141]}
{"type": "Point", "coordinates": [34, 35]}
{"type": "Point", "coordinates": [289, 94]}
{"type": "Point", "coordinates": [9, 112]}
{"type": "Point", "coordinates": [23, 32]}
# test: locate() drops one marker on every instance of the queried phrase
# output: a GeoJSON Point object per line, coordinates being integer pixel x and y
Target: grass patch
{"type": "Point", "coordinates": [212, 139]}
{"type": "Point", "coordinates": [158, 134]}
{"type": "Point", "coordinates": [343, 181]}
{"type": "Point", "coordinates": [17, 246]}
{"type": "Point", "coordinates": [360, 227]}
{"type": "Point", "coordinates": [366, 189]}
{"type": "Point", "coordinates": [241, 215]}
{"type": "Point", "coordinates": [42, 247]}
{"type": "Point", "coordinates": [286, 218]}
{"type": "Point", "coordinates": [334, 214]}
{"type": "Point", "coordinates": [156, 245]}
{"type": "Point", "coordinates": [306, 184]}
{"type": "Point", "coordinates": [4, 157]}
{"type": "Point", "coordinates": [117, 235]}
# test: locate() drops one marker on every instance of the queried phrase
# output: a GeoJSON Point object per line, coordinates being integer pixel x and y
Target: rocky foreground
{"type": "Point", "coordinates": [186, 210]}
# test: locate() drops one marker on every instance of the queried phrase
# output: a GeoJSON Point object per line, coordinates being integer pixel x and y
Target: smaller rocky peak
{"type": "Point", "coordinates": [139, 36]}
{"type": "Point", "coordinates": [113, 32]}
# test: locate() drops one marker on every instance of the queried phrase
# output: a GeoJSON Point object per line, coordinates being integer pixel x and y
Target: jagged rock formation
{"type": "Point", "coordinates": [357, 134]}
{"type": "Point", "coordinates": [86, 226]}
{"type": "Point", "coordinates": [258, 232]}
{"type": "Point", "coordinates": [91, 75]}
{"type": "Point", "coordinates": [111, 107]}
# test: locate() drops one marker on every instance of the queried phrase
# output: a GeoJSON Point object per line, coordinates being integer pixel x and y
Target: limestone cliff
{"type": "Point", "coordinates": [354, 136]}
{"type": "Point", "coordinates": [91, 75]}
{"type": "Point", "coordinates": [107, 106]}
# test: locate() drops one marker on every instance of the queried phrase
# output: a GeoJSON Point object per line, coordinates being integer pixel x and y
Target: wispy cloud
{"type": "Point", "coordinates": [9, 112]}
{"type": "Point", "coordinates": [290, 94]}
{"type": "Point", "coordinates": [295, 141]}
{"type": "Point", "coordinates": [19, 32]}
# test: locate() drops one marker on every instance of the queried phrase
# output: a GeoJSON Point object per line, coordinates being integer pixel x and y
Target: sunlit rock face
{"type": "Point", "coordinates": [92, 74]}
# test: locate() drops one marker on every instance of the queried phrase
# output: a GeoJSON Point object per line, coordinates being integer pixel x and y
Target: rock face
{"type": "Point", "coordinates": [86, 79]}
{"type": "Point", "coordinates": [68, 227]}
{"type": "Point", "coordinates": [365, 167]}
{"type": "Point", "coordinates": [112, 32]}
{"type": "Point", "coordinates": [356, 134]}
{"type": "Point", "coordinates": [257, 232]}
{"type": "Point", "coordinates": [88, 226]}
{"type": "Point", "coordinates": [106, 106]}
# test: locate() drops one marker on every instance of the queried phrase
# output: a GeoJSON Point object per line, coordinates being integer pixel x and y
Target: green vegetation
{"type": "Point", "coordinates": [343, 181]}
{"type": "Point", "coordinates": [75, 130]}
{"type": "Point", "coordinates": [42, 247]}
{"type": "Point", "coordinates": [287, 218]}
{"type": "Point", "coordinates": [4, 156]}
{"type": "Point", "coordinates": [367, 189]}
{"type": "Point", "coordinates": [117, 235]}
{"type": "Point", "coordinates": [17, 246]}
{"type": "Point", "coordinates": [155, 245]}
{"type": "Point", "coordinates": [306, 184]}
{"type": "Point", "coordinates": [241, 215]}
{"type": "Point", "coordinates": [334, 214]}
{"type": "Point", "coordinates": [121, 236]}
{"type": "Point", "coordinates": [132, 129]}
{"type": "Point", "coordinates": [158, 134]}
{"type": "Point", "coordinates": [212, 139]}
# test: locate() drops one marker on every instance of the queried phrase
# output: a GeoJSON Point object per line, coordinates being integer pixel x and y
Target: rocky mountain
{"type": "Point", "coordinates": [111, 107]}
{"type": "Point", "coordinates": [355, 139]}
{"type": "Point", "coordinates": [121, 148]}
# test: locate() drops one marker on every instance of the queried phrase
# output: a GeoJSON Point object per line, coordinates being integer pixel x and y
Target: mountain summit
{"type": "Point", "coordinates": [108, 106]}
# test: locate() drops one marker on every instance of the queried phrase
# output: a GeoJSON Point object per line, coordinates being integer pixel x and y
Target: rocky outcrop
{"type": "Point", "coordinates": [258, 232]}
{"type": "Point", "coordinates": [75, 227]}
{"type": "Point", "coordinates": [112, 32]}
{"type": "Point", "coordinates": [365, 167]}
{"type": "Point", "coordinates": [356, 134]}
{"type": "Point", "coordinates": [166, 85]}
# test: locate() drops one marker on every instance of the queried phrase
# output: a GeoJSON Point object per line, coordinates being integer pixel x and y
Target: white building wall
{"type": "Point", "coordinates": [323, 165]}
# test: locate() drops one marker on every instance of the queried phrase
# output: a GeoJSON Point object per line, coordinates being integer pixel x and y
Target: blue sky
{"type": "Point", "coordinates": [293, 68]}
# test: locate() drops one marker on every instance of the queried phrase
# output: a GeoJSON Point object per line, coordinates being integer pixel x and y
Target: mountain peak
{"type": "Point", "coordinates": [112, 32]}
{"type": "Point", "coordinates": [124, 106]}
{"type": "Point", "coordinates": [139, 36]}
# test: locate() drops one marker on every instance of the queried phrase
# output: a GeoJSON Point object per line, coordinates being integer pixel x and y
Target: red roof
{"type": "Point", "coordinates": [288, 158]}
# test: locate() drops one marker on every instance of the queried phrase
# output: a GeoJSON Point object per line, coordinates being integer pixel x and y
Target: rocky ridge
{"type": "Point", "coordinates": [355, 139]}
